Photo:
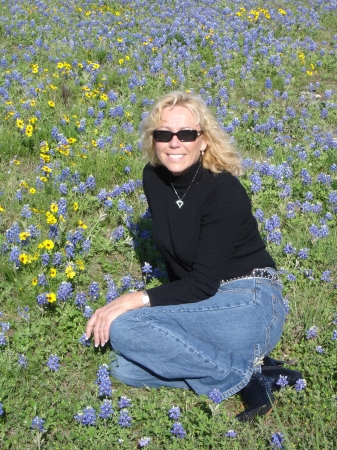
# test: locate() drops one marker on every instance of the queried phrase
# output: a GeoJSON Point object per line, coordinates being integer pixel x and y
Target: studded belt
{"type": "Point", "coordinates": [256, 273]}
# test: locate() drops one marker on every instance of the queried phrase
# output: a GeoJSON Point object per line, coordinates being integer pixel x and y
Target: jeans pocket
{"type": "Point", "coordinates": [275, 327]}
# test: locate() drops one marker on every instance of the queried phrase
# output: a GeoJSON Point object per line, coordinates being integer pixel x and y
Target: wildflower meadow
{"type": "Point", "coordinates": [76, 79]}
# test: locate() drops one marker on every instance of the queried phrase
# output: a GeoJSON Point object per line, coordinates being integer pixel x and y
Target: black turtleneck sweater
{"type": "Point", "coordinates": [212, 237]}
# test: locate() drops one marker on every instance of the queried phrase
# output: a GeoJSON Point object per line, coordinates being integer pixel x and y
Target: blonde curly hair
{"type": "Point", "coordinates": [220, 155]}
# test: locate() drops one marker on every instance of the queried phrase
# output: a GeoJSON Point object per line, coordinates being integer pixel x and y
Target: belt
{"type": "Point", "coordinates": [256, 273]}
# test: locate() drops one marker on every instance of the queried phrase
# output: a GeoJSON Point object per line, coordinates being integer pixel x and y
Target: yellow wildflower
{"type": "Point", "coordinates": [48, 244]}
{"type": "Point", "coordinates": [2, 209]}
{"type": "Point", "coordinates": [70, 272]}
{"type": "Point", "coordinates": [34, 281]}
{"type": "Point", "coordinates": [32, 190]}
{"type": "Point", "coordinates": [54, 207]}
{"type": "Point", "coordinates": [29, 130]}
{"type": "Point", "coordinates": [75, 206]}
{"type": "Point", "coordinates": [80, 264]}
{"type": "Point", "coordinates": [82, 225]}
{"type": "Point", "coordinates": [47, 169]}
{"type": "Point", "coordinates": [23, 258]}
{"type": "Point", "coordinates": [51, 104]}
{"type": "Point", "coordinates": [24, 235]}
{"type": "Point", "coordinates": [51, 219]}
{"type": "Point", "coordinates": [19, 123]}
{"type": "Point", "coordinates": [51, 297]}
{"type": "Point", "coordinates": [53, 272]}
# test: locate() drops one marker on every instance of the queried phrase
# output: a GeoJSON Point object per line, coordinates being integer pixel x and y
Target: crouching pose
{"type": "Point", "coordinates": [213, 325]}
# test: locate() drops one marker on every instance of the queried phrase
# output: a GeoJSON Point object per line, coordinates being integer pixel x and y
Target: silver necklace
{"type": "Point", "coordinates": [180, 202]}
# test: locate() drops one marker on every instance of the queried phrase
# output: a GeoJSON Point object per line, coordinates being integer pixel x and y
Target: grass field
{"type": "Point", "coordinates": [76, 78]}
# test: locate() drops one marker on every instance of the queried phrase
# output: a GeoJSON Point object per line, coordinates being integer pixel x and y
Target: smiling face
{"type": "Point", "coordinates": [178, 156]}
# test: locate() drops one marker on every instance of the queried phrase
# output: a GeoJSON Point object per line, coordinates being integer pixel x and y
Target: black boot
{"type": "Point", "coordinates": [268, 361]}
{"type": "Point", "coordinates": [275, 372]}
{"type": "Point", "coordinates": [257, 396]}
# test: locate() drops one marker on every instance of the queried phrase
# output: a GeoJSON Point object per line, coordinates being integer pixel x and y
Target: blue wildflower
{"type": "Point", "coordinates": [144, 442]}
{"type": "Point", "coordinates": [312, 332]}
{"type": "Point", "coordinates": [106, 410]}
{"type": "Point", "coordinates": [216, 396]}
{"type": "Point", "coordinates": [282, 381]}
{"type": "Point", "coordinates": [53, 363]}
{"type": "Point", "coordinates": [23, 361]}
{"type": "Point", "coordinates": [174, 413]}
{"type": "Point", "coordinates": [178, 430]}
{"type": "Point", "coordinates": [124, 402]}
{"type": "Point", "coordinates": [87, 416]}
{"type": "Point", "coordinates": [231, 434]}
{"type": "Point", "coordinates": [300, 384]}
{"type": "Point", "coordinates": [277, 440]}
{"type": "Point", "coordinates": [37, 424]}
{"type": "Point", "coordinates": [125, 420]}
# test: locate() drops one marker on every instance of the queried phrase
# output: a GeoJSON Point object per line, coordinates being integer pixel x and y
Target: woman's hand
{"type": "Point", "coordinates": [102, 318]}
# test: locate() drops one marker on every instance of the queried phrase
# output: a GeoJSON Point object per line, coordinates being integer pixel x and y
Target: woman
{"type": "Point", "coordinates": [222, 312]}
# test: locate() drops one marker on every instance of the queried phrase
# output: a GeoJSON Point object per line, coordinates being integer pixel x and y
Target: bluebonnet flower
{"type": "Point", "coordinates": [23, 312]}
{"type": "Point", "coordinates": [65, 291]}
{"type": "Point", "coordinates": [42, 279]}
{"type": "Point", "coordinates": [303, 253]}
{"type": "Point", "coordinates": [174, 413]}
{"type": "Point", "coordinates": [87, 416]}
{"type": "Point", "coordinates": [334, 336]}
{"type": "Point", "coordinates": [5, 326]}
{"type": "Point", "coordinates": [62, 207]}
{"type": "Point", "coordinates": [256, 183]}
{"type": "Point", "coordinates": [178, 430]}
{"type": "Point", "coordinates": [147, 268]}
{"type": "Point", "coordinates": [84, 340]}
{"type": "Point", "coordinates": [291, 277]}
{"type": "Point", "coordinates": [118, 233]}
{"type": "Point", "coordinates": [103, 381]}
{"type": "Point", "coordinates": [286, 305]}
{"type": "Point", "coordinates": [86, 245]}
{"type": "Point", "coordinates": [106, 410]}
{"type": "Point", "coordinates": [94, 290]}
{"type": "Point", "coordinates": [81, 299]}
{"type": "Point", "coordinates": [63, 189]}
{"type": "Point", "coordinates": [57, 260]}
{"type": "Point", "coordinates": [300, 384]}
{"type": "Point", "coordinates": [45, 258]}
{"type": "Point", "coordinates": [37, 424]}
{"type": "Point", "coordinates": [23, 361]}
{"type": "Point", "coordinates": [3, 342]}
{"type": "Point", "coordinates": [126, 283]}
{"type": "Point", "coordinates": [282, 381]}
{"type": "Point", "coordinates": [41, 299]}
{"type": "Point", "coordinates": [288, 249]}
{"type": "Point", "coordinates": [87, 312]}
{"type": "Point", "coordinates": [124, 402]}
{"type": "Point", "coordinates": [312, 332]}
{"type": "Point", "coordinates": [277, 440]}
{"type": "Point", "coordinates": [90, 182]}
{"type": "Point", "coordinates": [231, 434]}
{"type": "Point", "coordinates": [319, 349]}
{"type": "Point", "coordinates": [53, 363]}
{"type": "Point", "coordinates": [26, 212]}
{"type": "Point", "coordinates": [1, 409]}
{"type": "Point", "coordinates": [216, 396]}
{"type": "Point", "coordinates": [326, 276]}
{"type": "Point", "coordinates": [125, 420]}
{"type": "Point", "coordinates": [144, 442]}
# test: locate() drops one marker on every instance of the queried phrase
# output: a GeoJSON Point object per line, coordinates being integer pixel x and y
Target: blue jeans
{"type": "Point", "coordinates": [213, 344]}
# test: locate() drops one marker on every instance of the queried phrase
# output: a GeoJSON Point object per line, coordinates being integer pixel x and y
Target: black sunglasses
{"type": "Point", "coordinates": [182, 135]}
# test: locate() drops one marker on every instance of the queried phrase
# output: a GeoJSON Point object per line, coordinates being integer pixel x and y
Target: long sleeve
{"type": "Point", "coordinates": [212, 237]}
